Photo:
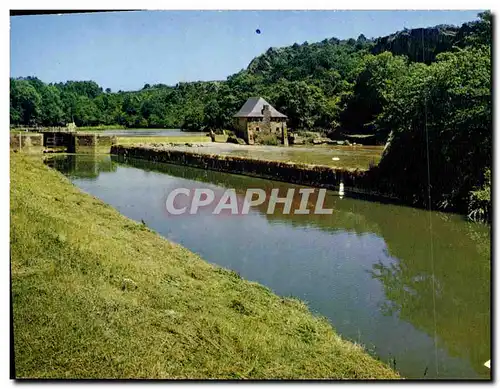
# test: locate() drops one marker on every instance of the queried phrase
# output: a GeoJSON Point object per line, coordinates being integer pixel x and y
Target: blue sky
{"type": "Point", "coordinates": [125, 50]}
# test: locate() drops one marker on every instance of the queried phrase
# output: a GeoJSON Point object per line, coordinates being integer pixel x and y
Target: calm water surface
{"type": "Point", "coordinates": [149, 132]}
{"type": "Point", "coordinates": [415, 296]}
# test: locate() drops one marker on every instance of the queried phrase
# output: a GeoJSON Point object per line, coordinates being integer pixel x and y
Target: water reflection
{"type": "Point", "coordinates": [443, 287]}
{"type": "Point", "coordinates": [371, 268]}
{"type": "Point", "coordinates": [80, 166]}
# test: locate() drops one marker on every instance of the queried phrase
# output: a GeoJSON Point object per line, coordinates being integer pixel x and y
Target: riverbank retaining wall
{"type": "Point", "coordinates": [72, 142]}
{"type": "Point", "coordinates": [30, 143]}
{"type": "Point", "coordinates": [91, 143]}
{"type": "Point", "coordinates": [363, 182]}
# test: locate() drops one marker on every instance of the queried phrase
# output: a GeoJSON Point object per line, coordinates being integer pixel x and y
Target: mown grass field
{"type": "Point", "coordinates": [97, 295]}
{"type": "Point", "coordinates": [349, 157]}
{"type": "Point", "coordinates": [127, 140]}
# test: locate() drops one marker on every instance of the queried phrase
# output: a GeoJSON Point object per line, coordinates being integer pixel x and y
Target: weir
{"type": "Point", "coordinates": [355, 181]}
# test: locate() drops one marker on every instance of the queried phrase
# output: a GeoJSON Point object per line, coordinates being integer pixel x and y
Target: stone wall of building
{"type": "Point", "coordinates": [240, 126]}
{"type": "Point", "coordinates": [274, 127]}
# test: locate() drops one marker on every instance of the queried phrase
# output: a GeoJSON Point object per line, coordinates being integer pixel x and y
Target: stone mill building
{"type": "Point", "coordinates": [258, 119]}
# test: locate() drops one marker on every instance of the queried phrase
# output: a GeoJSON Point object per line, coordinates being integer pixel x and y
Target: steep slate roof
{"type": "Point", "coordinates": [253, 108]}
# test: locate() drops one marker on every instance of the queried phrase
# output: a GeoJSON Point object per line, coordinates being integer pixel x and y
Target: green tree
{"type": "Point", "coordinates": [26, 103]}
{"type": "Point", "coordinates": [441, 120]}
{"type": "Point", "coordinates": [304, 104]}
{"type": "Point", "coordinates": [52, 108]}
{"type": "Point", "coordinates": [193, 119]}
{"type": "Point", "coordinates": [86, 112]}
{"type": "Point", "coordinates": [374, 86]}
{"type": "Point", "coordinates": [482, 31]}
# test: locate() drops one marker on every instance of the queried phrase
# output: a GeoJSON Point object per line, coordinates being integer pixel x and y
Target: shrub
{"type": "Point", "coordinates": [267, 139]}
{"type": "Point", "coordinates": [479, 207]}
{"type": "Point", "coordinates": [235, 139]}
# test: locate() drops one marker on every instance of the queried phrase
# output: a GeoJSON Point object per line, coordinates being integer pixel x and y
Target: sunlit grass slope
{"type": "Point", "coordinates": [97, 295]}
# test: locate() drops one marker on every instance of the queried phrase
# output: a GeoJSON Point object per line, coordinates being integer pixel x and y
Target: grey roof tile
{"type": "Point", "coordinates": [253, 108]}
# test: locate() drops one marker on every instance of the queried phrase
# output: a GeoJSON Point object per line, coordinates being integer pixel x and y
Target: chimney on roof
{"type": "Point", "coordinates": [266, 120]}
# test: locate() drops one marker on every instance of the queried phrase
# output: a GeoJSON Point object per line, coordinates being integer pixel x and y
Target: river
{"type": "Point", "coordinates": [412, 286]}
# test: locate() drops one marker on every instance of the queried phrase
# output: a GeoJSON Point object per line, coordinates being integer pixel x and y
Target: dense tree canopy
{"type": "Point", "coordinates": [442, 113]}
{"type": "Point", "coordinates": [439, 152]}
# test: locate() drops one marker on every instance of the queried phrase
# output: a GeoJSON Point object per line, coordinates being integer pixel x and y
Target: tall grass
{"type": "Point", "coordinates": [128, 140]}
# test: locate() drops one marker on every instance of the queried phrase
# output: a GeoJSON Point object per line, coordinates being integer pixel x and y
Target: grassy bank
{"type": "Point", "coordinates": [98, 295]}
